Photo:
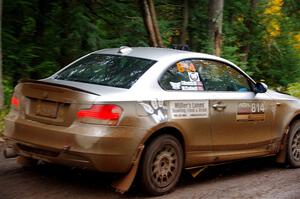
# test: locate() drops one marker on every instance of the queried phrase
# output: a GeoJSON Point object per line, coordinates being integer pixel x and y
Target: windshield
{"type": "Point", "coordinates": [107, 70]}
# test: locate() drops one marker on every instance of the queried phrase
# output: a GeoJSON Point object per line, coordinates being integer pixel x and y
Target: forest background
{"type": "Point", "coordinates": [38, 37]}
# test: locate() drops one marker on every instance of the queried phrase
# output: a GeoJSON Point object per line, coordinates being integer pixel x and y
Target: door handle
{"type": "Point", "coordinates": [219, 107]}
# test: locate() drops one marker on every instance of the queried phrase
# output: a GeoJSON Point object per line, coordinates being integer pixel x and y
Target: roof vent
{"type": "Point", "coordinates": [124, 50]}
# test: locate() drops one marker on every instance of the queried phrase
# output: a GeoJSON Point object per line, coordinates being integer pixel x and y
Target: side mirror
{"type": "Point", "coordinates": [260, 87]}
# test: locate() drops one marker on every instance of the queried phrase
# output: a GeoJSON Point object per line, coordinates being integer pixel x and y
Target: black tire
{"type": "Point", "coordinates": [293, 152]}
{"type": "Point", "coordinates": [161, 165]}
{"type": "Point", "coordinates": [26, 162]}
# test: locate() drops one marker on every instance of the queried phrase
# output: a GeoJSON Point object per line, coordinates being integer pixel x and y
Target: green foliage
{"type": "Point", "coordinates": [40, 37]}
{"type": "Point", "coordinates": [232, 53]}
{"type": "Point", "coordinates": [272, 59]}
{"type": "Point", "coordinates": [294, 89]}
{"type": "Point", "coordinates": [8, 90]}
{"type": "Point", "coordinates": [278, 62]}
{"type": "Point", "coordinates": [3, 113]}
{"type": "Point", "coordinates": [198, 26]}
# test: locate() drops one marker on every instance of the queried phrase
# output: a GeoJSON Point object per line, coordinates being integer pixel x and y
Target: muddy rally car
{"type": "Point", "coordinates": [149, 113]}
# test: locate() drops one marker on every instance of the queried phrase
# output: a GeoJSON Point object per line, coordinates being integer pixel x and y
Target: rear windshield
{"type": "Point", "coordinates": [107, 70]}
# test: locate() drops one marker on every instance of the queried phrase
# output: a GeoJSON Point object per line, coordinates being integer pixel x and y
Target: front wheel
{"type": "Point", "coordinates": [293, 153]}
{"type": "Point", "coordinates": [161, 165]}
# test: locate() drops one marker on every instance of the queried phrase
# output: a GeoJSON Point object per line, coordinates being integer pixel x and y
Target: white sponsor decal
{"type": "Point", "coordinates": [189, 109]}
{"type": "Point", "coordinates": [157, 109]}
{"type": "Point", "coordinates": [194, 76]}
{"type": "Point", "coordinates": [175, 85]}
{"type": "Point", "coordinates": [191, 86]}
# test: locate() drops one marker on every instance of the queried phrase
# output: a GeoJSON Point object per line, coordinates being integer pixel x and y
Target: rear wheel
{"type": "Point", "coordinates": [162, 165]}
{"type": "Point", "coordinates": [293, 153]}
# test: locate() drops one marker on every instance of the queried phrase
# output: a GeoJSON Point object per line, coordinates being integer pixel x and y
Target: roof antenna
{"type": "Point", "coordinates": [124, 50]}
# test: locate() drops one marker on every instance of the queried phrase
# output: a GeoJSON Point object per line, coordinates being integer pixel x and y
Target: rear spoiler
{"type": "Point", "coordinates": [56, 84]}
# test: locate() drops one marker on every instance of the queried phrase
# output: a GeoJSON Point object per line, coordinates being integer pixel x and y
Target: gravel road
{"type": "Point", "coordinates": [256, 178]}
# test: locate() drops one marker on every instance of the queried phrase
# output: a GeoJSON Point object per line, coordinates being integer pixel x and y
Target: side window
{"type": "Point", "coordinates": [217, 76]}
{"type": "Point", "coordinates": [182, 76]}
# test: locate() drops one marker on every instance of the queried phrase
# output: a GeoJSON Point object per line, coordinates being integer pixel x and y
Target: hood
{"type": "Point", "coordinates": [281, 96]}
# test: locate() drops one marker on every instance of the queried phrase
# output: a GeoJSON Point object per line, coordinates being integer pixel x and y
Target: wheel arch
{"type": "Point", "coordinates": [282, 154]}
{"type": "Point", "coordinates": [291, 151]}
{"type": "Point", "coordinates": [295, 118]}
{"type": "Point", "coordinates": [169, 130]}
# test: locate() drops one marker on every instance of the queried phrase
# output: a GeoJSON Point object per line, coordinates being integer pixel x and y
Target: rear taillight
{"type": "Point", "coordinates": [15, 102]}
{"type": "Point", "coordinates": [101, 114]}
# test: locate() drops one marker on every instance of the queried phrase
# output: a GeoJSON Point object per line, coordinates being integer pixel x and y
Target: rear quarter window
{"type": "Point", "coordinates": [107, 70]}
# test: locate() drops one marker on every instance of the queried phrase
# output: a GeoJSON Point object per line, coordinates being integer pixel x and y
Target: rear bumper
{"type": "Point", "coordinates": [103, 148]}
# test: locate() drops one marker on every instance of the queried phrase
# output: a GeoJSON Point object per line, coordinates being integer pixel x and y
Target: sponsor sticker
{"type": "Point", "coordinates": [157, 109]}
{"type": "Point", "coordinates": [175, 85]}
{"type": "Point", "coordinates": [185, 66]}
{"type": "Point", "coordinates": [192, 86]}
{"type": "Point", "coordinates": [194, 76]}
{"type": "Point", "coordinates": [189, 109]}
{"type": "Point", "coordinates": [252, 111]}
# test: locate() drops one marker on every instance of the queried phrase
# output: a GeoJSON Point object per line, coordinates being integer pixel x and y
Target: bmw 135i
{"type": "Point", "coordinates": [149, 113]}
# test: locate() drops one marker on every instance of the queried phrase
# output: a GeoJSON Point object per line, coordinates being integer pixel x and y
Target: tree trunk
{"type": "Point", "coordinates": [66, 55]}
{"type": "Point", "coordinates": [215, 25]}
{"type": "Point", "coordinates": [1, 76]}
{"type": "Point", "coordinates": [151, 24]}
{"type": "Point", "coordinates": [183, 30]}
{"type": "Point", "coordinates": [245, 49]}
{"type": "Point", "coordinates": [148, 23]}
{"type": "Point", "coordinates": [40, 21]}
{"type": "Point", "coordinates": [155, 24]}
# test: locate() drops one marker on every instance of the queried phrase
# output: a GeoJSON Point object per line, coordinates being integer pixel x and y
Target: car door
{"type": "Point", "coordinates": [188, 110]}
{"type": "Point", "coordinates": [240, 118]}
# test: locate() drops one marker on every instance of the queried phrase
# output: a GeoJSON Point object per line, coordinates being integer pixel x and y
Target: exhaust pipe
{"type": "Point", "coordinates": [10, 153]}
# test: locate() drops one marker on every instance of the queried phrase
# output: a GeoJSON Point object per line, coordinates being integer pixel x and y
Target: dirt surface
{"type": "Point", "coordinates": [256, 178]}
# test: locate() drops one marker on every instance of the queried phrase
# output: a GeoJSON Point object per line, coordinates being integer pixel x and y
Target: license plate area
{"type": "Point", "coordinates": [47, 109]}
